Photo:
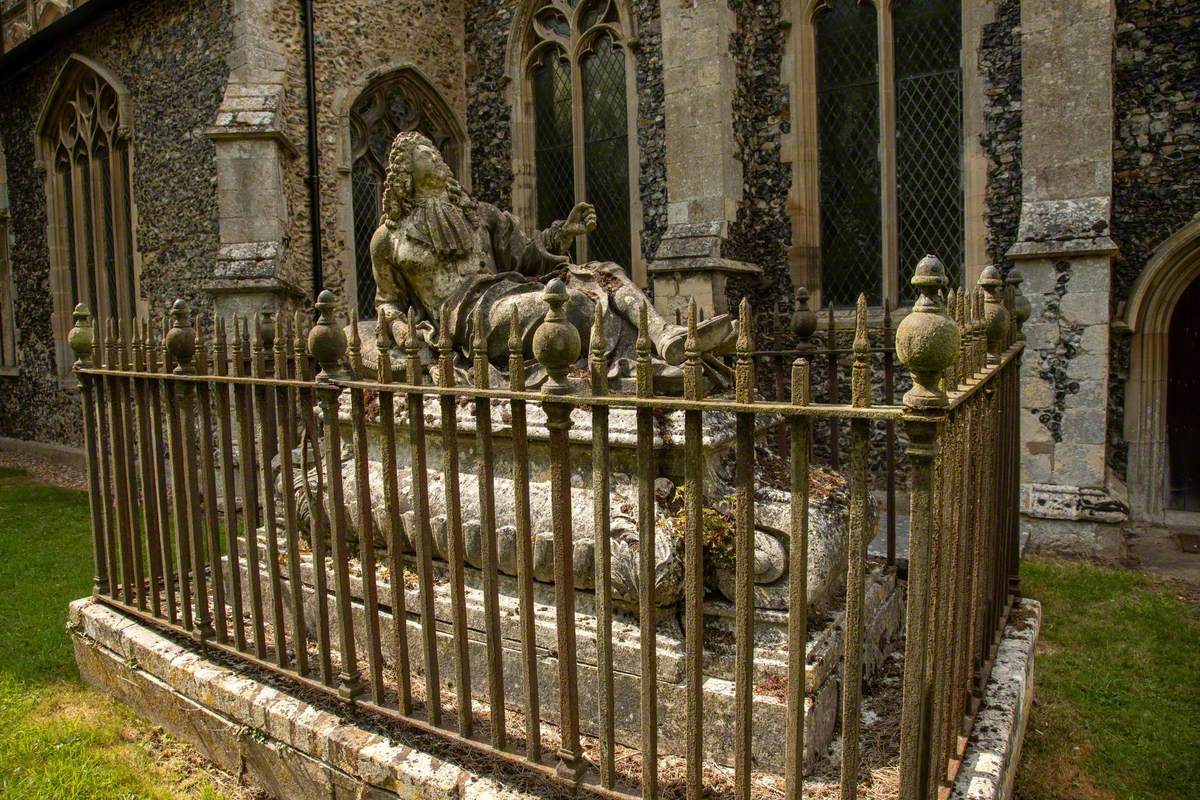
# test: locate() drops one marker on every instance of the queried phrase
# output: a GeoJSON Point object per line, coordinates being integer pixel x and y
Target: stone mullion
{"type": "Point", "coordinates": [124, 276]}
{"type": "Point", "coordinates": [805, 255]}
{"type": "Point", "coordinates": [577, 160]}
{"type": "Point", "coordinates": [887, 152]}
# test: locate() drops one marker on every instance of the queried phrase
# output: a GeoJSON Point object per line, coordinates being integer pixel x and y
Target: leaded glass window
{"type": "Point", "coordinates": [848, 148]}
{"type": "Point", "coordinates": [86, 149]}
{"type": "Point", "coordinates": [929, 152]}
{"type": "Point", "coordinates": [395, 104]}
{"type": "Point", "coordinates": [890, 185]}
{"type": "Point", "coordinates": [578, 75]}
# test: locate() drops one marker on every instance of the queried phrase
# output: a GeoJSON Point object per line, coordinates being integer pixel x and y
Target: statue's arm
{"type": "Point", "coordinates": [515, 251]}
{"type": "Point", "coordinates": [391, 291]}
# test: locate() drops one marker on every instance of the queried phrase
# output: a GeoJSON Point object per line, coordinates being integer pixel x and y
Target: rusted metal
{"type": "Point", "coordinates": [228, 484]}
{"type": "Point", "coordinates": [520, 476]}
{"type": "Point", "coordinates": [961, 421]}
{"type": "Point", "coordinates": [647, 608]}
{"type": "Point", "coordinates": [889, 431]}
{"type": "Point", "coordinates": [146, 457]}
{"type": "Point", "coordinates": [801, 443]}
{"type": "Point", "coordinates": [391, 501]}
{"type": "Point", "coordinates": [693, 552]}
{"type": "Point", "coordinates": [743, 487]}
{"type": "Point", "coordinates": [556, 346]}
{"type": "Point", "coordinates": [208, 470]}
{"type": "Point", "coordinates": [423, 535]}
{"type": "Point", "coordinates": [485, 461]}
{"type": "Point", "coordinates": [454, 534]}
{"type": "Point", "coordinates": [598, 365]}
{"type": "Point", "coordinates": [248, 472]}
{"type": "Point", "coordinates": [831, 389]}
{"type": "Point", "coordinates": [366, 520]}
{"type": "Point", "coordinates": [264, 417]}
{"type": "Point", "coordinates": [860, 515]}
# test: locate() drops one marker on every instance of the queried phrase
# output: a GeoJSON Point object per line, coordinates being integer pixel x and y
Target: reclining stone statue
{"type": "Point", "coordinates": [451, 259]}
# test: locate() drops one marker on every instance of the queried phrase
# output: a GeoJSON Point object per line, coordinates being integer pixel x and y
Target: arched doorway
{"type": "Point", "coordinates": [1162, 407]}
{"type": "Point", "coordinates": [1183, 403]}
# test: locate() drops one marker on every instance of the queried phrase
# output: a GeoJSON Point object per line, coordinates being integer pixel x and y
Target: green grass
{"type": "Point", "coordinates": [58, 738]}
{"type": "Point", "coordinates": [1117, 706]}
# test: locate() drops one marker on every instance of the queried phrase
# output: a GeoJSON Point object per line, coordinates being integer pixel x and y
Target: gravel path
{"type": "Point", "coordinates": [44, 469]}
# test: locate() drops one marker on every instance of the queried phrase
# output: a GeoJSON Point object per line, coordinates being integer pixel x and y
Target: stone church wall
{"type": "Point", "coordinates": [355, 38]}
{"type": "Point", "coordinates": [1156, 156]}
{"type": "Point", "coordinates": [1000, 64]}
{"type": "Point", "coordinates": [170, 55]}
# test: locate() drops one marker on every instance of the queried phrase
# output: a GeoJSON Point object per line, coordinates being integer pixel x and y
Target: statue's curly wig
{"type": "Point", "coordinates": [398, 183]}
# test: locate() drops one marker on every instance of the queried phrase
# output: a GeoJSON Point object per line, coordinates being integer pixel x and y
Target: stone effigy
{"type": "Point", "coordinates": [445, 262]}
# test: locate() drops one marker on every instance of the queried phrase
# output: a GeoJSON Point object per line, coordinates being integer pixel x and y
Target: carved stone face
{"type": "Point", "coordinates": [429, 170]}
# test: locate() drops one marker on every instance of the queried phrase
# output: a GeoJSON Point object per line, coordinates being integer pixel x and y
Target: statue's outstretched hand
{"type": "Point", "coordinates": [581, 220]}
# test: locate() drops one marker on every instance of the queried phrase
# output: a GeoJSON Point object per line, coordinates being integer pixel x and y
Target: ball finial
{"type": "Point", "coordinates": [1020, 308]}
{"type": "Point", "coordinates": [82, 337]}
{"type": "Point", "coordinates": [181, 338]}
{"type": "Point", "coordinates": [995, 315]}
{"type": "Point", "coordinates": [556, 344]}
{"type": "Point", "coordinates": [804, 319]}
{"type": "Point", "coordinates": [326, 341]}
{"type": "Point", "coordinates": [927, 340]}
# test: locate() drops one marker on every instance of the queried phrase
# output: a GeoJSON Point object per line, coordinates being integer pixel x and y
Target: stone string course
{"type": "Point", "coordinates": [1156, 157]}
{"type": "Point", "coordinates": [170, 55]}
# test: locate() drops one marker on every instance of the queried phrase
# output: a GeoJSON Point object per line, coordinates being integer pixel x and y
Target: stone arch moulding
{"type": "Point", "coordinates": [520, 103]}
{"type": "Point", "coordinates": [1170, 270]}
{"type": "Point", "coordinates": [76, 69]}
{"type": "Point", "coordinates": [343, 102]}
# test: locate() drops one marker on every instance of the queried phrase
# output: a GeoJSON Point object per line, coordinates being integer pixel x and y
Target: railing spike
{"type": "Point", "coordinates": [598, 344]}
{"type": "Point", "coordinates": [860, 389]}
{"type": "Point", "coordinates": [515, 343]}
{"type": "Point", "coordinates": [444, 343]}
{"type": "Point", "coordinates": [691, 349]}
{"type": "Point", "coordinates": [479, 349]}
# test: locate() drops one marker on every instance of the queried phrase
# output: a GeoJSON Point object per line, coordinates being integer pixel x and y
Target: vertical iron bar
{"type": "Point", "coordinates": [248, 471]}
{"type": "Point", "coordinates": [264, 415]}
{"type": "Point", "coordinates": [647, 605]}
{"type": "Point", "coordinates": [520, 438]}
{"type": "Point", "coordinates": [744, 390]}
{"type": "Point", "coordinates": [801, 436]}
{"type": "Point", "coordinates": [194, 529]}
{"type": "Point", "coordinates": [391, 502]}
{"type": "Point", "coordinates": [87, 384]}
{"type": "Point", "coordinates": [831, 387]}
{"type": "Point", "coordinates": [155, 388]}
{"type": "Point", "coordinates": [173, 391]}
{"type": "Point", "coordinates": [229, 484]}
{"type": "Point", "coordinates": [889, 397]}
{"type": "Point", "coordinates": [423, 536]}
{"type": "Point", "coordinates": [860, 477]}
{"type": "Point", "coordinates": [133, 516]}
{"type": "Point", "coordinates": [209, 470]}
{"type": "Point", "coordinates": [116, 427]}
{"type": "Point", "coordinates": [454, 532]}
{"type": "Point", "coordinates": [693, 552]}
{"type": "Point", "coordinates": [285, 421]}
{"type": "Point", "coordinates": [487, 532]}
{"type": "Point", "coordinates": [146, 458]}
{"type": "Point", "coordinates": [366, 521]}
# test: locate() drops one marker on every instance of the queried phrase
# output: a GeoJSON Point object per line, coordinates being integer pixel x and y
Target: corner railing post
{"type": "Point", "coordinates": [926, 342]}
{"type": "Point", "coordinates": [82, 340]}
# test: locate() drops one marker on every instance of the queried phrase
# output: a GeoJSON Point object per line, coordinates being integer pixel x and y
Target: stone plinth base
{"type": "Point", "coordinates": [990, 762]}
{"type": "Point", "coordinates": [884, 613]}
{"type": "Point", "coordinates": [269, 737]}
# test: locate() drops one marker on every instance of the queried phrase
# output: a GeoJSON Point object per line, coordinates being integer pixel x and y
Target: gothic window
{"type": "Point", "coordinates": [396, 103]}
{"type": "Point", "coordinates": [8, 332]}
{"type": "Point", "coordinates": [577, 71]}
{"type": "Point", "coordinates": [87, 156]}
{"type": "Point", "coordinates": [888, 121]}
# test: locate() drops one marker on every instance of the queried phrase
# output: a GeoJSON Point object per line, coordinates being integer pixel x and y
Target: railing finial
{"type": "Point", "coordinates": [743, 376]}
{"type": "Point", "coordinates": [598, 353]}
{"type": "Point", "coordinates": [926, 340]}
{"type": "Point", "coordinates": [82, 337]}
{"type": "Point", "coordinates": [556, 343]}
{"type": "Point", "coordinates": [326, 341]}
{"type": "Point", "coordinates": [181, 338]}
{"type": "Point", "coordinates": [804, 319]}
{"type": "Point", "coordinates": [860, 370]}
{"type": "Point", "coordinates": [479, 349]}
{"type": "Point", "coordinates": [1021, 309]}
{"type": "Point", "coordinates": [995, 315]}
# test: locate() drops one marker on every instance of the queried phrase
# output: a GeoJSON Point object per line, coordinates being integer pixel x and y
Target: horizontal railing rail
{"type": "Point", "coordinates": [266, 492]}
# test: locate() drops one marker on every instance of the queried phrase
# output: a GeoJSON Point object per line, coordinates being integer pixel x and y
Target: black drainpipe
{"type": "Point", "coordinates": [314, 154]}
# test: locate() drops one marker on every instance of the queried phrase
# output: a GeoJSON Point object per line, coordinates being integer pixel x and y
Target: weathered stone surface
{"type": "Point", "coordinates": [989, 764]}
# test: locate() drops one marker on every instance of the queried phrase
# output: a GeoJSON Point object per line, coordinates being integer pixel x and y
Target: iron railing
{"type": "Point", "coordinates": [184, 437]}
